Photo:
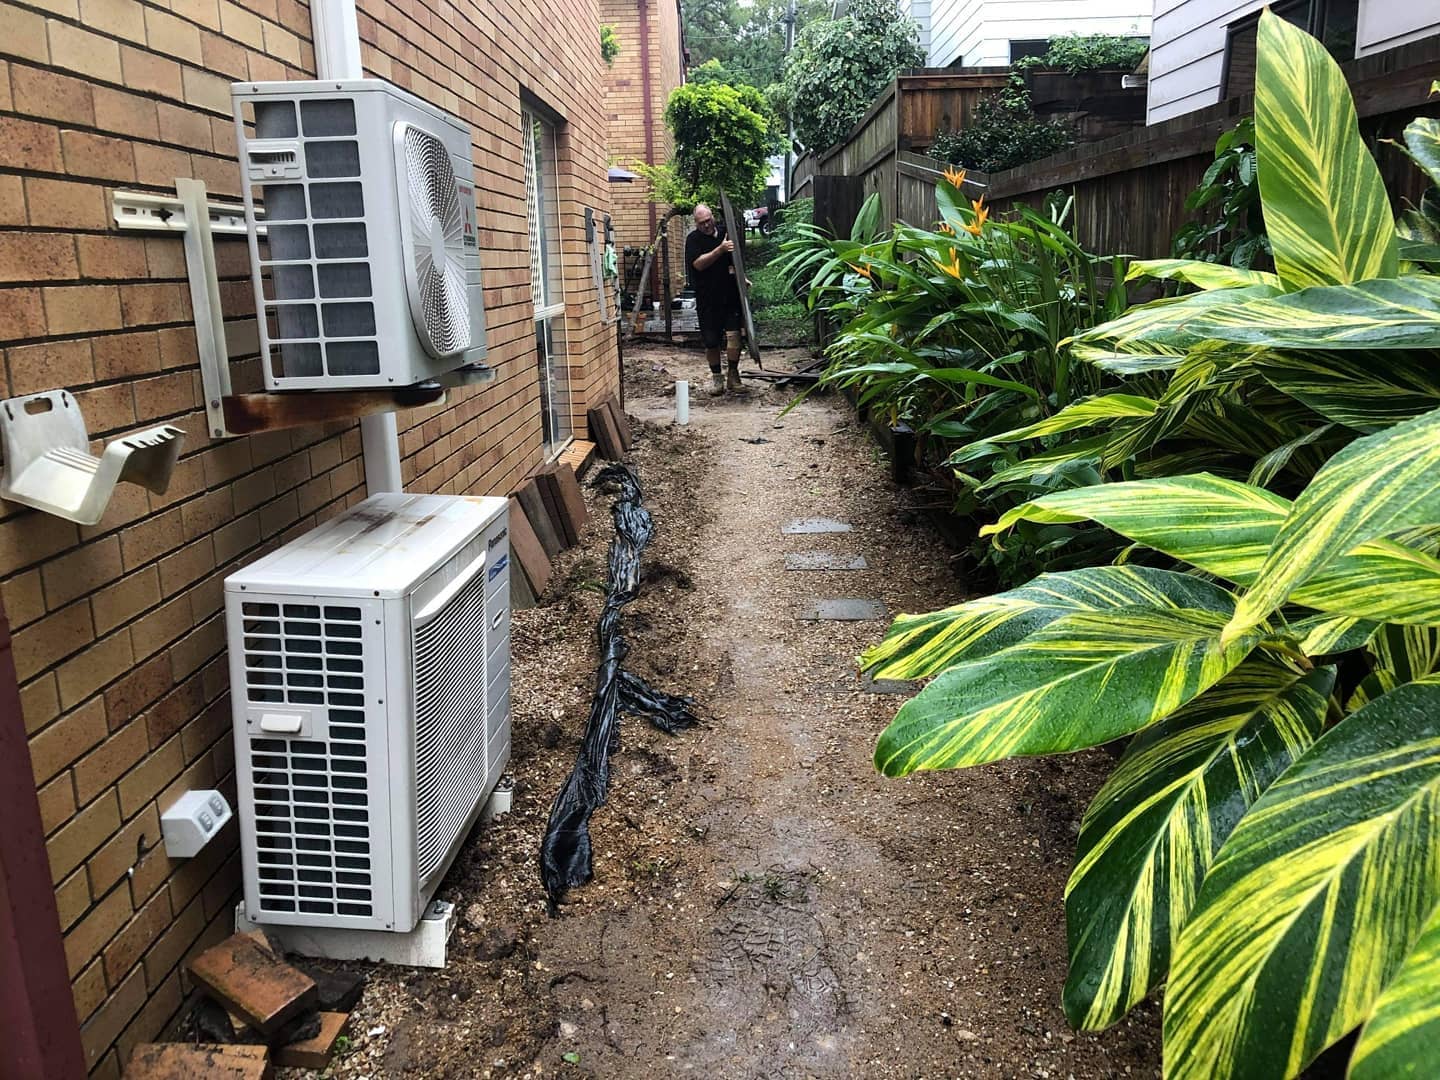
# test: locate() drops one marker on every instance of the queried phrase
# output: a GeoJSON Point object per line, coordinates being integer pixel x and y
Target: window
{"type": "Point", "coordinates": [1333, 22]}
{"type": "Point", "coordinates": [1023, 47]}
{"type": "Point", "coordinates": [547, 290]}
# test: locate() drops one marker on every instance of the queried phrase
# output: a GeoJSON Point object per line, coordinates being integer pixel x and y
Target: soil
{"type": "Point", "coordinates": [764, 903]}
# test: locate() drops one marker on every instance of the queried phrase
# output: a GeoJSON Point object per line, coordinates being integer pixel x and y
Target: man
{"type": "Point", "coordinates": [717, 297]}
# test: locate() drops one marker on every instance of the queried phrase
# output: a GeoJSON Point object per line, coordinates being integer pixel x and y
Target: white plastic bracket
{"type": "Point", "coordinates": [48, 464]}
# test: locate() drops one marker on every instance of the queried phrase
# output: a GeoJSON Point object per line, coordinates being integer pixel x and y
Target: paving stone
{"type": "Point", "coordinates": [184, 1061]}
{"type": "Point", "coordinates": [802, 526]}
{"type": "Point", "coordinates": [824, 560]}
{"type": "Point", "coordinates": [841, 610]}
{"type": "Point", "coordinates": [888, 686]}
{"type": "Point", "coordinates": [247, 979]}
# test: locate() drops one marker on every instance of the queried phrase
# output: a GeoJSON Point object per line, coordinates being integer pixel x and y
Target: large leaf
{"type": "Point", "coordinates": [1401, 1040]}
{"type": "Point", "coordinates": [1079, 415]}
{"type": "Point", "coordinates": [1314, 900]}
{"type": "Point", "coordinates": [1384, 313]}
{"type": "Point", "coordinates": [1326, 209]}
{"type": "Point", "coordinates": [1402, 654]}
{"type": "Point", "coordinates": [1085, 679]}
{"type": "Point", "coordinates": [1147, 839]}
{"type": "Point", "coordinates": [1364, 391]}
{"type": "Point", "coordinates": [1422, 140]}
{"type": "Point", "coordinates": [1204, 275]}
{"type": "Point", "coordinates": [1228, 528]}
{"type": "Point", "coordinates": [1376, 485]}
{"type": "Point", "coordinates": [1163, 325]}
{"type": "Point", "coordinates": [918, 646]}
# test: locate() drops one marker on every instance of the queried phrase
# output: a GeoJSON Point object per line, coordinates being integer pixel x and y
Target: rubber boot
{"type": "Point", "coordinates": [717, 384]}
{"type": "Point", "coordinates": [732, 378]}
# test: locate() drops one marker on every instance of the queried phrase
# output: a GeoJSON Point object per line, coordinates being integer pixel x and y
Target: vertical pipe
{"type": "Point", "coordinates": [648, 113]}
{"type": "Point", "coordinates": [335, 29]}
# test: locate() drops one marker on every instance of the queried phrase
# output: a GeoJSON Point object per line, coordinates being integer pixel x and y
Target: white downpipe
{"type": "Point", "coordinates": [336, 34]}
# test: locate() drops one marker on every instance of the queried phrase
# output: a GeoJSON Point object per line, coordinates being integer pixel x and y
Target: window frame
{"type": "Point", "coordinates": [542, 187]}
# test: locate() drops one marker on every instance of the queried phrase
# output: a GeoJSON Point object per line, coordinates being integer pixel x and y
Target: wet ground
{"type": "Point", "coordinates": [765, 904]}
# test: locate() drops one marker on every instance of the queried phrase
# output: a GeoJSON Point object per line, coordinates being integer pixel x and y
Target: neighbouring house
{"type": "Point", "coordinates": [650, 64]}
{"type": "Point", "coordinates": [991, 33]}
{"type": "Point", "coordinates": [1203, 51]}
{"type": "Point", "coordinates": [117, 698]}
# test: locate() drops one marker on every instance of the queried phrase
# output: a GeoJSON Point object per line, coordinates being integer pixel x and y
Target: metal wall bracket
{"type": "Point", "coordinates": [48, 464]}
{"type": "Point", "coordinates": [228, 414]}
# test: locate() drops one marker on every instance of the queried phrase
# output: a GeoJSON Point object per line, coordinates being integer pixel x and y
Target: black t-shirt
{"type": "Point", "coordinates": [714, 284]}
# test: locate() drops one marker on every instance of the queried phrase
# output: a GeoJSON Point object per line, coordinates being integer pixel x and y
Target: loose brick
{"type": "Point", "coordinates": [122, 601]}
{"type": "Point", "coordinates": [103, 662]}
{"type": "Point", "coordinates": [65, 203]}
{"type": "Point", "coordinates": [87, 831]}
{"type": "Point", "coordinates": [314, 1053]}
{"type": "Point", "coordinates": [51, 95]}
{"type": "Point", "coordinates": [37, 368]}
{"type": "Point", "coordinates": [123, 113]}
{"type": "Point", "coordinates": [79, 50]}
{"type": "Point", "coordinates": [101, 1030]}
{"type": "Point", "coordinates": [113, 860]}
{"type": "Point", "coordinates": [124, 952]}
{"type": "Point", "coordinates": [251, 982]}
{"type": "Point", "coordinates": [180, 1061]}
{"type": "Point", "coordinates": [171, 36]}
{"type": "Point", "coordinates": [82, 571]}
{"type": "Point", "coordinates": [48, 640]}
{"type": "Point", "coordinates": [109, 761]}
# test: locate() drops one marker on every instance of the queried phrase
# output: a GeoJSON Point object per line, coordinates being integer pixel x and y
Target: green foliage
{"type": "Point", "coordinates": [1001, 136]}
{"type": "Point", "coordinates": [1231, 228]}
{"type": "Point", "coordinates": [748, 43]}
{"type": "Point", "coordinates": [1090, 52]}
{"type": "Point", "coordinates": [609, 44]}
{"type": "Point", "coordinates": [839, 66]}
{"type": "Point", "coordinates": [781, 316]}
{"type": "Point", "coordinates": [1266, 848]}
{"type": "Point", "coordinates": [724, 136]}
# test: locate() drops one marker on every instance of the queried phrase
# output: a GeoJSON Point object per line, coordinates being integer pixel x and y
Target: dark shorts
{"type": "Point", "coordinates": [715, 320]}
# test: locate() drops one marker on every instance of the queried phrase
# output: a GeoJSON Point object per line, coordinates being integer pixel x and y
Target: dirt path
{"type": "Point", "coordinates": [765, 904]}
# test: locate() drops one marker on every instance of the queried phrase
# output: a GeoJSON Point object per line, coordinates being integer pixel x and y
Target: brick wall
{"type": "Point", "coordinates": [119, 637]}
{"type": "Point", "coordinates": [636, 217]}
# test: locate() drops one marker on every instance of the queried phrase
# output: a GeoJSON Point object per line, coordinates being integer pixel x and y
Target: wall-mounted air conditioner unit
{"type": "Point", "coordinates": [369, 272]}
{"type": "Point", "coordinates": [370, 676]}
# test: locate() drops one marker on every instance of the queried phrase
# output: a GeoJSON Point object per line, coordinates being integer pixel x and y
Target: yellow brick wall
{"type": "Point", "coordinates": [118, 628]}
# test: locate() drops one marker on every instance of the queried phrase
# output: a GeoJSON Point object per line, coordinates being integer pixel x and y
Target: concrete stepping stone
{"type": "Point", "coordinates": [841, 611]}
{"type": "Point", "coordinates": [824, 560]}
{"type": "Point", "coordinates": [802, 526]}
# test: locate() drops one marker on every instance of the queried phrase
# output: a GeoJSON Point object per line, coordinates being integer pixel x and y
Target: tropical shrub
{"type": "Point", "coordinates": [1267, 846]}
{"type": "Point", "coordinates": [1091, 52]}
{"type": "Point", "coordinates": [1231, 225]}
{"type": "Point", "coordinates": [724, 136]}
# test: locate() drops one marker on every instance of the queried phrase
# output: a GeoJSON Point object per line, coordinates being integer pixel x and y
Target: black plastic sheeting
{"type": "Point", "coordinates": [565, 853]}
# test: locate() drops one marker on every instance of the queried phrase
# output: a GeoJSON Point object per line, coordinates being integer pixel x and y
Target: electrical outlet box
{"type": "Point", "coordinates": [191, 822]}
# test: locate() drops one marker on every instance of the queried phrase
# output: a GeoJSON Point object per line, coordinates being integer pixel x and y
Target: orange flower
{"type": "Point", "coordinates": [955, 176]}
{"type": "Point", "coordinates": [946, 229]}
{"type": "Point", "coordinates": [982, 212]}
{"type": "Point", "coordinates": [863, 271]}
{"type": "Point", "coordinates": [952, 267]}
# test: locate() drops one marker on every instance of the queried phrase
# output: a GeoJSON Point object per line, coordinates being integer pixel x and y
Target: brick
{"type": "Point", "coordinates": [137, 690]}
{"type": "Point", "coordinates": [36, 256]}
{"type": "Point", "coordinates": [24, 599]}
{"type": "Point", "coordinates": [37, 368]}
{"type": "Point", "coordinates": [89, 991]}
{"type": "Point", "coordinates": [165, 396]}
{"type": "Point", "coordinates": [66, 203]}
{"type": "Point", "coordinates": [180, 1061]}
{"type": "Point", "coordinates": [173, 943]}
{"type": "Point", "coordinates": [68, 8]}
{"type": "Point", "coordinates": [224, 56]}
{"type": "Point", "coordinates": [12, 197]}
{"type": "Point", "coordinates": [251, 982]}
{"type": "Point", "coordinates": [109, 761]}
{"type": "Point", "coordinates": [117, 18]}
{"type": "Point", "coordinates": [163, 1004]}
{"type": "Point", "coordinates": [112, 257]}
{"type": "Point", "coordinates": [81, 571]}
{"type": "Point", "coordinates": [207, 730]}
{"type": "Point", "coordinates": [72, 899]}
{"type": "Point", "coordinates": [186, 566]}
{"type": "Point", "coordinates": [160, 627]}
{"type": "Point", "coordinates": [144, 71]}
{"type": "Point", "coordinates": [39, 703]}
{"type": "Point", "coordinates": [98, 156]}
{"type": "Point", "coordinates": [206, 91]}
{"type": "Point", "coordinates": [282, 44]}
{"type": "Point", "coordinates": [117, 855]}
{"type": "Point", "coordinates": [25, 37]}
{"type": "Point", "coordinates": [241, 25]}
{"type": "Point", "coordinates": [76, 309]}
{"type": "Point", "coordinates": [101, 1030]}
{"type": "Point", "coordinates": [171, 36]}
{"type": "Point", "coordinates": [121, 602]}
{"type": "Point", "coordinates": [79, 50]}
{"type": "Point", "coordinates": [129, 945]}
{"type": "Point", "coordinates": [86, 831]}
{"type": "Point", "coordinates": [204, 12]}
{"type": "Point", "coordinates": [192, 652]}
{"type": "Point", "coordinates": [121, 113]}
{"type": "Point", "coordinates": [121, 355]}
{"type": "Point", "coordinates": [51, 95]}
{"type": "Point", "coordinates": [26, 144]}
{"type": "Point", "coordinates": [184, 126]}
{"type": "Point", "coordinates": [150, 777]}
{"type": "Point", "coordinates": [173, 711]}
{"type": "Point", "coordinates": [152, 538]}
{"type": "Point", "coordinates": [165, 256]}
{"type": "Point", "coordinates": [152, 871]}
{"type": "Point", "coordinates": [107, 408]}
{"type": "Point", "coordinates": [102, 663]}
{"type": "Point", "coordinates": [52, 638]}
{"type": "Point", "coordinates": [57, 803]}
{"type": "Point", "coordinates": [314, 1053]}
{"type": "Point", "coordinates": [22, 313]}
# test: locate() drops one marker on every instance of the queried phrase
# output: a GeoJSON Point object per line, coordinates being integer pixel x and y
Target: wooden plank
{"type": "Point", "coordinates": [529, 552]}
{"type": "Point", "coordinates": [622, 423]}
{"type": "Point", "coordinates": [251, 982]}
{"type": "Point", "coordinates": [549, 485]}
{"type": "Point", "coordinates": [246, 414]}
{"type": "Point", "coordinates": [602, 431]}
{"type": "Point", "coordinates": [314, 1053]}
{"type": "Point", "coordinates": [533, 503]}
{"type": "Point", "coordinates": [185, 1061]}
{"type": "Point", "coordinates": [579, 455]}
{"type": "Point", "coordinates": [572, 500]}
{"type": "Point", "coordinates": [735, 230]}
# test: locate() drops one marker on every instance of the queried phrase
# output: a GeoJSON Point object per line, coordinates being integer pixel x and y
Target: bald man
{"type": "Point", "coordinates": [717, 297]}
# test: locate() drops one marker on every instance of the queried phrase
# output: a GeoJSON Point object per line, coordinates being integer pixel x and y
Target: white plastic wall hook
{"type": "Point", "coordinates": [48, 464]}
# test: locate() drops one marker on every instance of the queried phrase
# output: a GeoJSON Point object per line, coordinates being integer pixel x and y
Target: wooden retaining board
{"type": "Point", "coordinates": [735, 230]}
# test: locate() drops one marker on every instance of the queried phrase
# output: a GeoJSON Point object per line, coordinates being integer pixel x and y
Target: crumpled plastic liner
{"type": "Point", "coordinates": [565, 852]}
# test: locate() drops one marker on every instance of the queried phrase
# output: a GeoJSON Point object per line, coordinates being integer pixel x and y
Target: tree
{"type": "Point", "coordinates": [749, 42]}
{"type": "Point", "coordinates": [723, 137]}
{"type": "Point", "coordinates": [838, 66]}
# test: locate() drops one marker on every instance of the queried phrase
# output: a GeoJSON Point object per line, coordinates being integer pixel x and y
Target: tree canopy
{"type": "Point", "coordinates": [724, 135]}
{"type": "Point", "coordinates": [749, 42]}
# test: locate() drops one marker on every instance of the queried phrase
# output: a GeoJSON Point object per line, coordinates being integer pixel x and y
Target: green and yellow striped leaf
{"type": "Point", "coordinates": [1326, 635]}
{"type": "Point", "coordinates": [1085, 679]}
{"type": "Point", "coordinates": [1276, 461]}
{"type": "Point", "coordinates": [1378, 484]}
{"type": "Point", "coordinates": [1203, 275]}
{"type": "Point", "coordinates": [1402, 654]}
{"type": "Point", "coordinates": [1362, 390]}
{"type": "Point", "coordinates": [1422, 140]}
{"type": "Point", "coordinates": [1401, 1040]}
{"type": "Point", "coordinates": [1315, 899]}
{"type": "Point", "coordinates": [918, 646]}
{"type": "Point", "coordinates": [1160, 328]}
{"type": "Point", "coordinates": [1148, 837]}
{"type": "Point", "coordinates": [1228, 528]}
{"type": "Point", "coordinates": [1384, 313]}
{"type": "Point", "coordinates": [1326, 209]}
{"type": "Point", "coordinates": [1081, 414]}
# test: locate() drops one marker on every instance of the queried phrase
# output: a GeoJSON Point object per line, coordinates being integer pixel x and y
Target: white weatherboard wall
{"type": "Point", "coordinates": [1187, 44]}
{"type": "Point", "coordinates": [977, 33]}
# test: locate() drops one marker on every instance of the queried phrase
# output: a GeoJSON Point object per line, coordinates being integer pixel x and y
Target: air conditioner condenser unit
{"type": "Point", "coordinates": [368, 273]}
{"type": "Point", "coordinates": [370, 680]}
